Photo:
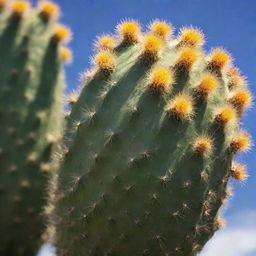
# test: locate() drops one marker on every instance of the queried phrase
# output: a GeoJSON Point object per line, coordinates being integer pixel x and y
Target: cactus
{"type": "Point", "coordinates": [31, 86]}
{"type": "Point", "coordinates": [149, 145]}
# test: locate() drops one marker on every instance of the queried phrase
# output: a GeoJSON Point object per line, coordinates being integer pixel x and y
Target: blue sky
{"type": "Point", "coordinates": [227, 23]}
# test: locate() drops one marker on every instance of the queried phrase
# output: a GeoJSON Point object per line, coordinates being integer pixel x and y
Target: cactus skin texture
{"type": "Point", "coordinates": [31, 91]}
{"type": "Point", "coordinates": [147, 157]}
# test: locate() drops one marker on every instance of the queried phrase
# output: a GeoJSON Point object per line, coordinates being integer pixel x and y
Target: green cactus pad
{"type": "Point", "coordinates": [31, 91]}
{"type": "Point", "coordinates": [131, 181]}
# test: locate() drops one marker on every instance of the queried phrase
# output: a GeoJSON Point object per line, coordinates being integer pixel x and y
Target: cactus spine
{"type": "Point", "coordinates": [31, 86]}
{"type": "Point", "coordinates": [149, 147]}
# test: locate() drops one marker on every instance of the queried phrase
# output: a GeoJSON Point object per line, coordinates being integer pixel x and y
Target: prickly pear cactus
{"type": "Point", "coordinates": [149, 146]}
{"type": "Point", "coordinates": [31, 85]}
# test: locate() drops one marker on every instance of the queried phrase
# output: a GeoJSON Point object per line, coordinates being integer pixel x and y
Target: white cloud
{"type": "Point", "coordinates": [237, 239]}
{"type": "Point", "coordinates": [47, 250]}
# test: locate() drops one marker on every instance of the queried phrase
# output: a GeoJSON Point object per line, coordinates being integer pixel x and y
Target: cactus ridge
{"type": "Point", "coordinates": [145, 171]}
{"type": "Point", "coordinates": [31, 86]}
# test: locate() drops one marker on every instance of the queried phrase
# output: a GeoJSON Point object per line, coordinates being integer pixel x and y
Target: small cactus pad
{"type": "Point", "coordinates": [31, 85]}
{"type": "Point", "coordinates": [149, 147]}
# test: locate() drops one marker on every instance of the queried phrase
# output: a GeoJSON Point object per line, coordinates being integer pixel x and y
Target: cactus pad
{"type": "Point", "coordinates": [31, 86]}
{"type": "Point", "coordinates": [147, 156]}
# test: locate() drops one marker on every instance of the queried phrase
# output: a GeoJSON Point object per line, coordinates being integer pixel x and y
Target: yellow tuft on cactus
{"type": "Point", "coordinates": [233, 71]}
{"type": "Point", "coordinates": [235, 80]}
{"type": "Point", "coordinates": [48, 9]}
{"type": "Point", "coordinates": [66, 55]}
{"type": "Point", "coordinates": [105, 42]}
{"type": "Point", "coordinates": [207, 86]}
{"type": "Point", "coordinates": [219, 58]}
{"type": "Point", "coordinates": [225, 115]}
{"type": "Point", "coordinates": [151, 47]}
{"type": "Point", "coordinates": [61, 34]}
{"type": "Point", "coordinates": [20, 7]}
{"type": "Point", "coordinates": [181, 107]}
{"type": "Point", "coordinates": [203, 146]}
{"type": "Point", "coordinates": [66, 114]}
{"type": "Point", "coordinates": [45, 167]}
{"type": "Point", "coordinates": [130, 31]}
{"type": "Point", "coordinates": [161, 29]}
{"type": "Point", "coordinates": [160, 79]}
{"type": "Point", "coordinates": [72, 98]}
{"type": "Point", "coordinates": [241, 99]}
{"type": "Point", "coordinates": [105, 61]}
{"type": "Point", "coordinates": [240, 143]}
{"type": "Point", "coordinates": [191, 37]}
{"type": "Point", "coordinates": [152, 44]}
{"type": "Point", "coordinates": [187, 58]}
{"type": "Point", "coordinates": [238, 171]}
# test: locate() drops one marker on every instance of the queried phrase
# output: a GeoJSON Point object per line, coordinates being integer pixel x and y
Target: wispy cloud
{"type": "Point", "coordinates": [237, 239]}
